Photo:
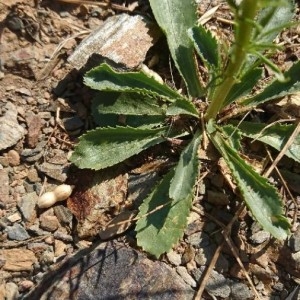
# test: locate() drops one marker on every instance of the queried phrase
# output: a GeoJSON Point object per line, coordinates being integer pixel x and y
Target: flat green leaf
{"type": "Point", "coordinates": [206, 46]}
{"type": "Point", "coordinates": [272, 19]}
{"type": "Point", "coordinates": [260, 196]}
{"type": "Point", "coordinates": [276, 136]}
{"type": "Point", "coordinates": [175, 17]}
{"type": "Point", "coordinates": [105, 147]}
{"type": "Point", "coordinates": [277, 89]}
{"type": "Point", "coordinates": [161, 229]}
{"type": "Point", "coordinates": [182, 107]}
{"type": "Point", "coordinates": [128, 104]}
{"type": "Point", "coordinates": [105, 78]}
{"type": "Point", "coordinates": [244, 86]}
{"type": "Point", "coordinates": [186, 171]}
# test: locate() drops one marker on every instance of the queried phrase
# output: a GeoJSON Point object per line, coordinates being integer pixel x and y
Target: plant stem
{"type": "Point", "coordinates": [244, 16]}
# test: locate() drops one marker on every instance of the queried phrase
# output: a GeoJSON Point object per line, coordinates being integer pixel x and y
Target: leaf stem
{"type": "Point", "coordinates": [244, 16]}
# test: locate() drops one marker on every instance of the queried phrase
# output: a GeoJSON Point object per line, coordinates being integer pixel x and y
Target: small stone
{"type": "Point", "coordinates": [18, 259]}
{"type": "Point", "coordinates": [11, 131]}
{"type": "Point", "coordinates": [174, 258]}
{"type": "Point", "coordinates": [34, 125]}
{"type": "Point", "coordinates": [25, 285]}
{"type": "Point", "coordinates": [48, 221]}
{"type": "Point", "coordinates": [260, 237]}
{"type": "Point", "coordinates": [63, 236]}
{"type": "Point", "coordinates": [240, 291]}
{"type": "Point", "coordinates": [33, 175]}
{"type": "Point", "coordinates": [27, 206]}
{"type": "Point", "coordinates": [13, 158]}
{"type": "Point", "coordinates": [4, 186]}
{"type": "Point", "coordinates": [73, 123]}
{"type": "Point", "coordinates": [11, 291]}
{"type": "Point", "coordinates": [57, 172]}
{"type": "Point", "coordinates": [218, 285]}
{"type": "Point", "coordinates": [294, 240]}
{"type": "Point", "coordinates": [59, 248]}
{"type": "Point", "coordinates": [199, 239]}
{"type": "Point", "coordinates": [17, 232]}
{"type": "Point", "coordinates": [23, 91]}
{"type": "Point", "coordinates": [14, 218]}
{"type": "Point", "coordinates": [182, 271]}
{"type": "Point", "coordinates": [47, 257]}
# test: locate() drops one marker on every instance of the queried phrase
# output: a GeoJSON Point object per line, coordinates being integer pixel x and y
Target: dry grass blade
{"type": "Point", "coordinates": [208, 15]}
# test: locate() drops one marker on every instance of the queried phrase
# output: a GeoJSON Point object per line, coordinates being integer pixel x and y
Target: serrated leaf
{"type": "Point", "coordinates": [206, 46]}
{"type": "Point", "coordinates": [105, 147]}
{"type": "Point", "coordinates": [275, 135]}
{"type": "Point", "coordinates": [161, 229]}
{"type": "Point", "coordinates": [186, 171]}
{"type": "Point", "coordinates": [244, 86]}
{"type": "Point", "coordinates": [175, 17]}
{"type": "Point", "coordinates": [273, 19]}
{"type": "Point", "coordinates": [234, 136]}
{"type": "Point", "coordinates": [278, 89]}
{"type": "Point", "coordinates": [260, 196]}
{"type": "Point", "coordinates": [105, 78]}
{"type": "Point", "coordinates": [182, 107]}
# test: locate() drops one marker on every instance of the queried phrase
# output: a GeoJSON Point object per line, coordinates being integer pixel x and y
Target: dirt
{"type": "Point", "coordinates": [44, 108]}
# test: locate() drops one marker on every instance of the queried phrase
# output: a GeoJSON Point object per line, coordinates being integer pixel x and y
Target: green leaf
{"type": "Point", "coordinates": [277, 89]}
{"type": "Point", "coordinates": [104, 78]}
{"type": "Point", "coordinates": [206, 46]}
{"type": "Point", "coordinates": [244, 86]}
{"type": "Point", "coordinates": [276, 136]}
{"type": "Point", "coordinates": [273, 19]}
{"type": "Point", "coordinates": [234, 136]}
{"type": "Point", "coordinates": [161, 229]}
{"type": "Point", "coordinates": [261, 198]}
{"type": "Point", "coordinates": [105, 147]}
{"type": "Point", "coordinates": [182, 107]}
{"type": "Point", "coordinates": [175, 17]}
{"type": "Point", "coordinates": [186, 171]}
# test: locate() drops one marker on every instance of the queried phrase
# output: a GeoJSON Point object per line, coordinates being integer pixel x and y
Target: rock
{"type": "Point", "coordinates": [96, 194]}
{"type": "Point", "coordinates": [33, 175]}
{"type": "Point", "coordinates": [34, 125]}
{"type": "Point", "coordinates": [182, 271]}
{"type": "Point", "coordinates": [174, 258]}
{"type": "Point", "coordinates": [27, 206]}
{"type": "Point", "coordinates": [240, 291]}
{"type": "Point", "coordinates": [11, 131]}
{"type": "Point", "coordinates": [72, 123]}
{"type": "Point", "coordinates": [294, 240]}
{"type": "Point", "coordinates": [218, 285]}
{"type": "Point", "coordinates": [14, 218]}
{"type": "Point", "coordinates": [63, 236]}
{"type": "Point", "coordinates": [59, 248]}
{"type": "Point", "coordinates": [11, 291]}
{"type": "Point", "coordinates": [4, 186]}
{"type": "Point", "coordinates": [47, 258]}
{"type": "Point", "coordinates": [48, 221]}
{"type": "Point", "coordinates": [17, 232]}
{"type": "Point", "coordinates": [115, 39]}
{"type": "Point", "coordinates": [25, 285]}
{"type": "Point", "coordinates": [57, 172]}
{"type": "Point", "coordinates": [13, 158]}
{"type": "Point", "coordinates": [260, 237]}
{"type": "Point", "coordinates": [114, 272]}
{"type": "Point", "coordinates": [199, 239]}
{"type": "Point", "coordinates": [18, 259]}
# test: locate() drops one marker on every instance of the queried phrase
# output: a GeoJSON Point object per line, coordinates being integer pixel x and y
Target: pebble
{"type": "Point", "coordinates": [199, 239]}
{"type": "Point", "coordinates": [240, 291]}
{"type": "Point", "coordinates": [260, 237]}
{"type": "Point", "coordinates": [48, 221]}
{"type": "Point", "coordinates": [57, 172]}
{"type": "Point", "coordinates": [294, 240]}
{"type": "Point", "coordinates": [73, 123]}
{"type": "Point", "coordinates": [11, 131]}
{"type": "Point", "coordinates": [182, 271]}
{"type": "Point", "coordinates": [33, 175]}
{"type": "Point", "coordinates": [17, 232]}
{"type": "Point", "coordinates": [14, 218]}
{"type": "Point", "coordinates": [174, 258]}
{"type": "Point", "coordinates": [11, 291]}
{"type": "Point", "coordinates": [25, 285]}
{"type": "Point", "coordinates": [63, 236]}
{"type": "Point", "coordinates": [18, 259]}
{"type": "Point", "coordinates": [59, 248]}
{"type": "Point", "coordinates": [13, 158]}
{"type": "Point", "coordinates": [4, 186]}
{"type": "Point", "coordinates": [27, 206]}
